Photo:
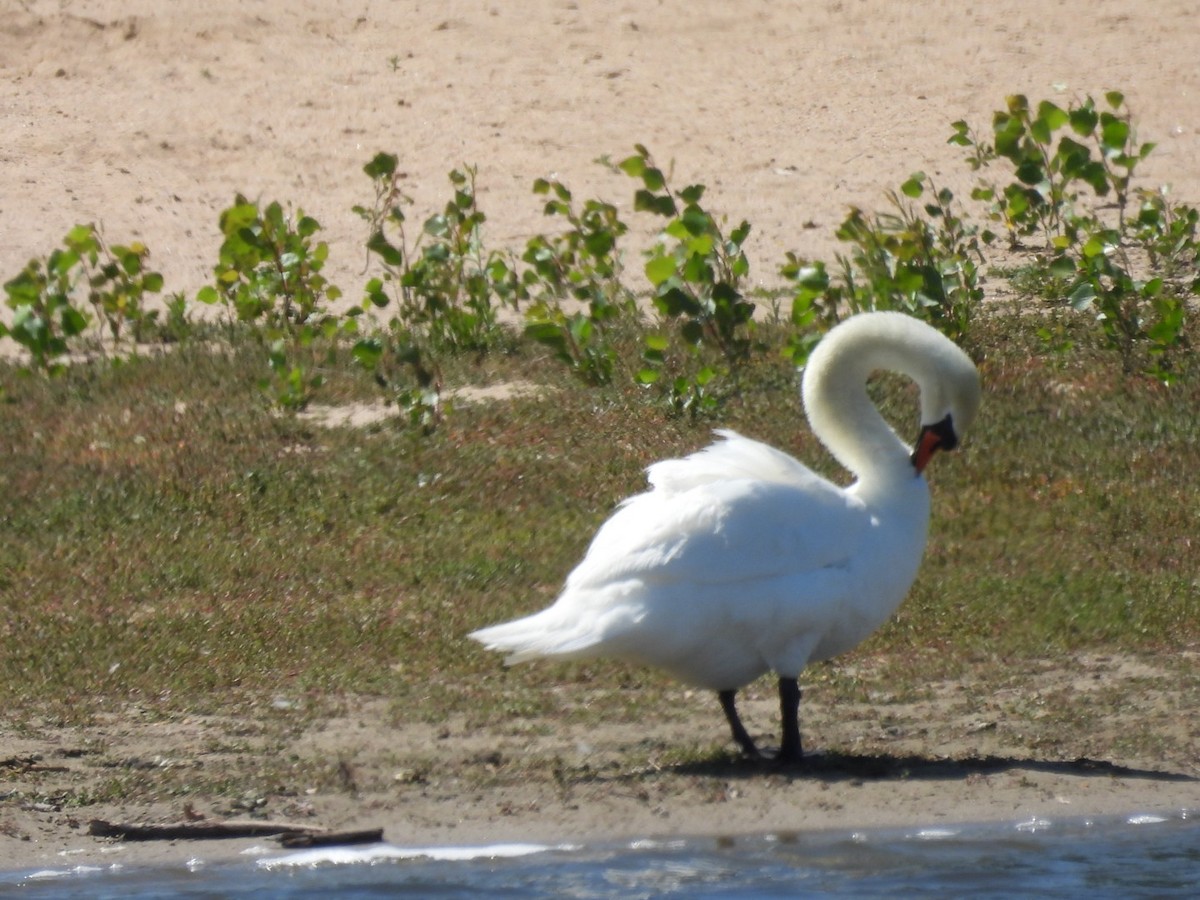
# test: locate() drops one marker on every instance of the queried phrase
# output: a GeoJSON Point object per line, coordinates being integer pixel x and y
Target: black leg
{"type": "Point", "coordinates": [789, 707]}
{"type": "Point", "coordinates": [735, 724]}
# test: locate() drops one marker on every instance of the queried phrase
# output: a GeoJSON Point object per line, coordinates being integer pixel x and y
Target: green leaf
{"type": "Point", "coordinates": [436, 226]}
{"type": "Point", "coordinates": [1040, 131]}
{"type": "Point", "coordinates": [382, 166]}
{"type": "Point", "coordinates": [1017, 104]}
{"type": "Point", "coordinates": [385, 250]}
{"type": "Point", "coordinates": [647, 376]}
{"type": "Point", "coordinates": [915, 185]}
{"type": "Point", "coordinates": [1031, 172]}
{"type": "Point", "coordinates": [701, 245]}
{"type": "Point", "coordinates": [600, 243]}
{"type": "Point", "coordinates": [1083, 121]}
{"type": "Point", "coordinates": [659, 269]}
{"type": "Point", "coordinates": [1053, 116]}
{"type": "Point", "coordinates": [61, 262]}
{"type": "Point", "coordinates": [653, 178]}
{"type": "Point", "coordinates": [368, 352]}
{"type": "Point", "coordinates": [1061, 267]}
{"type": "Point", "coordinates": [633, 166]}
{"type": "Point", "coordinates": [546, 333]}
{"type": "Point", "coordinates": [376, 294]}
{"type": "Point", "coordinates": [645, 201]}
{"type": "Point", "coordinates": [674, 302]}
{"type": "Point", "coordinates": [1114, 133]}
{"type": "Point", "coordinates": [961, 134]}
{"type": "Point", "coordinates": [73, 322]}
{"type": "Point", "coordinates": [1096, 176]}
{"type": "Point", "coordinates": [696, 269]}
{"type": "Point", "coordinates": [1008, 134]}
{"type": "Point", "coordinates": [307, 226]}
{"type": "Point", "coordinates": [696, 220]}
{"type": "Point", "coordinates": [1083, 295]}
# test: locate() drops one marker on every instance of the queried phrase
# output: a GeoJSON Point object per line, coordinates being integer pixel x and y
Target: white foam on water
{"type": "Point", "coordinates": [258, 850]}
{"type": "Point", "coordinates": [1034, 825]}
{"type": "Point", "coordinates": [384, 852]}
{"type": "Point", "coordinates": [937, 834]}
{"type": "Point", "coordinates": [1145, 820]}
{"type": "Point", "coordinates": [652, 844]}
{"type": "Point", "coordinates": [45, 874]}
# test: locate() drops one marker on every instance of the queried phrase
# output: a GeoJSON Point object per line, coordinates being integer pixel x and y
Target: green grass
{"type": "Point", "coordinates": [170, 541]}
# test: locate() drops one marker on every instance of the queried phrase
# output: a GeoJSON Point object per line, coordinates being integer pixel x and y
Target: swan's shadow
{"type": "Point", "coordinates": [835, 767]}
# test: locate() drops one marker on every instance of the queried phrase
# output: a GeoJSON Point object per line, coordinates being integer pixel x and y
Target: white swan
{"type": "Point", "coordinates": [740, 560]}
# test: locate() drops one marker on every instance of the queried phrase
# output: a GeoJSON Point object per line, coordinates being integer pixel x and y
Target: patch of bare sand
{"type": "Point", "coordinates": [149, 117]}
{"type": "Point", "coordinates": [363, 415]}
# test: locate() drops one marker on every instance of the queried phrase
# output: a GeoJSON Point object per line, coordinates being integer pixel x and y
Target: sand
{"type": "Point", "coordinates": [147, 118]}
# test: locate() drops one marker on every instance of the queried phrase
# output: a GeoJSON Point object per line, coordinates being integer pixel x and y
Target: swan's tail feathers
{"type": "Point", "coordinates": [535, 637]}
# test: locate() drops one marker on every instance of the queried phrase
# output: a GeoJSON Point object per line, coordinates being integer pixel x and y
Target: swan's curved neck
{"type": "Point", "coordinates": [842, 414]}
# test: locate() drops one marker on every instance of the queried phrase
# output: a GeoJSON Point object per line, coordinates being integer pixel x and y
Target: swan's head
{"type": "Point", "coordinates": [949, 400]}
{"type": "Point", "coordinates": [841, 412]}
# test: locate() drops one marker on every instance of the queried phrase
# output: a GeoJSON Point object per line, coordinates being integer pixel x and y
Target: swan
{"type": "Point", "coordinates": [740, 560]}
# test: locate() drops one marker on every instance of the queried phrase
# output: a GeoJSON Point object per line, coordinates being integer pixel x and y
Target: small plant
{"type": "Point", "coordinates": [695, 269]}
{"type": "Point", "coordinates": [812, 286]}
{"type": "Point", "coordinates": [269, 274]}
{"type": "Point", "coordinates": [1135, 274]}
{"type": "Point", "coordinates": [921, 260]}
{"type": "Point", "coordinates": [581, 264]}
{"type": "Point", "coordinates": [44, 317]}
{"type": "Point", "coordinates": [45, 296]}
{"type": "Point", "coordinates": [1044, 198]}
{"type": "Point", "coordinates": [444, 290]}
{"type": "Point", "coordinates": [269, 268]}
{"type": "Point", "coordinates": [446, 287]}
{"type": "Point", "coordinates": [696, 273]}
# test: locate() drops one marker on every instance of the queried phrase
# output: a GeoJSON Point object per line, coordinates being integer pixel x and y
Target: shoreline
{"type": "Point", "coordinates": [671, 805]}
{"type": "Point", "coordinates": [193, 855]}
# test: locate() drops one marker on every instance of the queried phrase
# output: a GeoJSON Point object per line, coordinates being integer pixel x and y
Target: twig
{"type": "Point", "coordinates": [331, 839]}
{"type": "Point", "coordinates": [196, 830]}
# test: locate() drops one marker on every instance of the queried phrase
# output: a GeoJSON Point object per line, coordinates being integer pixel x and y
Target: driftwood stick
{"type": "Point", "coordinates": [230, 828]}
{"type": "Point", "coordinates": [296, 839]}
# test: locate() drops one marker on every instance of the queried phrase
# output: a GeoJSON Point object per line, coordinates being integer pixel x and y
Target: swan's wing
{"type": "Point", "coordinates": [734, 457]}
{"type": "Point", "coordinates": [737, 530]}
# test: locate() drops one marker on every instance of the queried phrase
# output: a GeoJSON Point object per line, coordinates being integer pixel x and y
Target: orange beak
{"type": "Point", "coordinates": [927, 445]}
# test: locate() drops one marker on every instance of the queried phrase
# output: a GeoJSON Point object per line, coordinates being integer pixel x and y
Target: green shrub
{"type": "Point", "coordinates": [46, 297]}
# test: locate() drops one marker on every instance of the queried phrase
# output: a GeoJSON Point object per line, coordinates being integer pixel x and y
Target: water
{"type": "Point", "coordinates": [1148, 856]}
